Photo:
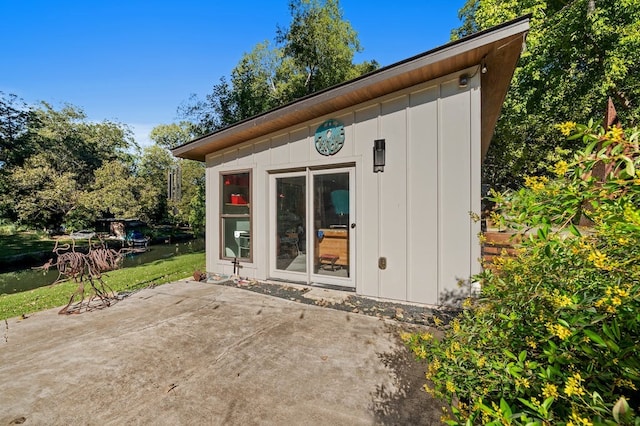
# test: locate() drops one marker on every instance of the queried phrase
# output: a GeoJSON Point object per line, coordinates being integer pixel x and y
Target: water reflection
{"type": "Point", "coordinates": [28, 279]}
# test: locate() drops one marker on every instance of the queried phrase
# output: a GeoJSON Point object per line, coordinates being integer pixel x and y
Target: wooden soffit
{"type": "Point", "coordinates": [497, 48]}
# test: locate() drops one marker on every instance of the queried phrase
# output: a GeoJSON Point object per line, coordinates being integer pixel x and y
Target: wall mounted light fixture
{"type": "Point", "coordinates": [463, 80]}
{"type": "Point", "coordinates": [378, 155]}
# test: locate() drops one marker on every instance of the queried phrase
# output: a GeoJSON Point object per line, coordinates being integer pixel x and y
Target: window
{"type": "Point", "coordinates": [235, 216]}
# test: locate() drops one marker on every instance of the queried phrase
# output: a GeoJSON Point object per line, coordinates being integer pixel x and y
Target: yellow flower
{"type": "Point", "coordinates": [549, 390]}
{"type": "Point", "coordinates": [405, 337]}
{"type": "Point", "coordinates": [536, 183]}
{"type": "Point", "coordinates": [531, 342]}
{"type": "Point", "coordinates": [616, 134]}
{"type": "Point", "coordinates": [560, 331]}
{"type": "Point", "coordinates": [481, 362]}
{"type": "Point", "coordinates": [427, 337]}
{"type": "Point", "coordinates": [583, 421]}
{"type": "Point", "coordinates": [573, 386]}
{"type": "Point", "coordinates": [561, 168]}
{"type": "Point", "coordinates": [456, 325]}
{"type": "Point", "coordinates": [433, 368]}
{"type": "Point", "coordinates": [566, 127]}
{"type": "Point", "coordinates": [625, 383]}
{"type": "Point", "coordinates": [599, 260]}
{"type": "Point", "coordinates": [560, 300]}
{"type": "Point", "coordinates": [522, 382]}
{"type": "Point", "coordinates": [450, 387]}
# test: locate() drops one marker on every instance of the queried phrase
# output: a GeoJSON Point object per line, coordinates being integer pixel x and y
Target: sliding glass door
{"type": "Point", "coordinates": [312, 226]}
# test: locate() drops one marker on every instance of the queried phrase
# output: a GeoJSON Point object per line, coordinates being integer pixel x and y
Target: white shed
{"type": "Point", "coordinates": [367, 185]}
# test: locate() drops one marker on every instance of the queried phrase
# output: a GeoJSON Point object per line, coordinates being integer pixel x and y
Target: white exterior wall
{"type": "Point", "coordinates": [415, 213]}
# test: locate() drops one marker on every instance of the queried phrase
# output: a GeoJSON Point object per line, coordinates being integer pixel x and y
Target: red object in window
{"type": "Point", "coordinates": [238, 199]}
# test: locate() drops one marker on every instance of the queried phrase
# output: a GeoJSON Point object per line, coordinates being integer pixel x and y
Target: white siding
{"type": "Point", "coordinates": [415, 213]}
{"type": "Point", "coordinates": [422, 202]}
{"type": "Point", "coordinates": [393, 199]}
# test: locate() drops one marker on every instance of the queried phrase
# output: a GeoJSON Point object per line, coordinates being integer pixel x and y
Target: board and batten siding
{"type": "Point", "coordinates": [416, 213]}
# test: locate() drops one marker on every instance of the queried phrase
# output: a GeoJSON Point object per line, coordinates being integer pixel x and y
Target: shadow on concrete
{"type": "Point", "coordinates": [407, 403]}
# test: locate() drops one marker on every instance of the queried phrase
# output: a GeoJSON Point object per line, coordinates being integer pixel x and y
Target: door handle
{"type": "Point", "coordinates": [353, 226]}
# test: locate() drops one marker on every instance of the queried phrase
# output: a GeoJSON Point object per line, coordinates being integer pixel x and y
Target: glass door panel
{"type": "Point", "coordinates": [290, 228]}
{"type": "Point", "coordinates": [331, 225]}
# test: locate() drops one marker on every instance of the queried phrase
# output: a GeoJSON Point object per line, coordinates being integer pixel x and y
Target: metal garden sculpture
{"type": "Point", "coordinates": [76, 265]}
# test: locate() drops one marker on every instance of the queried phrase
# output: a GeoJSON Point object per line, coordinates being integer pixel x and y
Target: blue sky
{"type": "Point", "coordinates": [136, 61]}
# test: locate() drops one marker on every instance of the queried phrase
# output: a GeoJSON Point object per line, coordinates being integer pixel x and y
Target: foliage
{"type": "Point", "coordinates": [321, 45]}
{"type": "Point", "coordinates": [14, 119]}
{"type": "Point", "coordinates": [58, 169]}
{"type": "Point", "coordinates": [172, 135]}
{"type": "Point", "coordinates": [553, 338]}
{"type": "Point", "coordinates": [152, 172]}
{"type": "Point", "coordinates": [197, 210]}
{"type": "Point", "coordinates": [314, 53]}
{"type": "Point", "coordinates": [157, 163]}
{"type": "Point", "coordinates": [43, 195]}
{"type": "Point", "coordinates": [156, 273]}
{"type": "Point", "coordinates": [576, 57]}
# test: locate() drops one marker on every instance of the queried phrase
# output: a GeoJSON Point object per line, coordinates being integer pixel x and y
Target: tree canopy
{"type": "Point", "coordinates": [578, 54]}
{"type": "Point", "coordinates": [316, 51]}
{"type": "Point", "coordinates": [57, 168]}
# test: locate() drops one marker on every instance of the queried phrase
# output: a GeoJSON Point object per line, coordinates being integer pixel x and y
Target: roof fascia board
{"type": "Point", "coordinates": [447, 51]}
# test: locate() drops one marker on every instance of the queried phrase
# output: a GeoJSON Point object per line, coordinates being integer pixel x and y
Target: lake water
{"type": "Point", "coordinates": [28, 279]}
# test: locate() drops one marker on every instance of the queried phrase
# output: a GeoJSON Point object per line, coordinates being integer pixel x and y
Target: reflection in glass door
{"type": "Point", "coordinates": [291, 218]}
{"type": "Point", "coordinates": [331, 224]}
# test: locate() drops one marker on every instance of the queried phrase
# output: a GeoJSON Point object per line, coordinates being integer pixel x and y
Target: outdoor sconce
{"type": "Point", "coordinates": [378, 155]}
{"type": "Point", "coordinates": [463, 80]}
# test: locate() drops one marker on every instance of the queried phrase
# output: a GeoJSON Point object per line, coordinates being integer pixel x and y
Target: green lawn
{"type": "Point", "coordinates": [158, 272]}
{"type": "Point", "coordinates": [26, 242]}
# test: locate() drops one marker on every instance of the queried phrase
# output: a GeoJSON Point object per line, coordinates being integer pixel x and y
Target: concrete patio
{"type": "Point", "coordinates": [197, 353]}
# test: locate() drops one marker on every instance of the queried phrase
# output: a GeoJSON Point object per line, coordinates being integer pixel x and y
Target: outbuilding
{"type": "Point", "coordinates": [370, 185]}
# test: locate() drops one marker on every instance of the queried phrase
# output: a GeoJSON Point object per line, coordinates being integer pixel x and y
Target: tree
{"type": "Point", "coordinates": [314, 53]}
{"type": "Point", "coordinates": [76, 145]}
{"type": "Point", "coordinates": [579, 53]}
{"type": "Point", "coordinates": [321, 45]}
{"type": "Point", "coordinates": [169, 136]}
{"type": "Point", "coordinates": [47, 161]}
{"type": "Point", "coordinates": [116, 192]}
{"type": "Point", "coordinates": [153, 167]}
{"type": "Point", "coordinates": [44, 196]}
{"type": "Point", "coordinates": [15, 116]}
{"type": "Point", "coordinates": [190, 207]}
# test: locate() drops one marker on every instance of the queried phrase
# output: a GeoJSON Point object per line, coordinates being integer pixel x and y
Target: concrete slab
{"type": "Point", "coordinates": [329, 295]}
{"type": "Point", "coordinates": [197, 353]}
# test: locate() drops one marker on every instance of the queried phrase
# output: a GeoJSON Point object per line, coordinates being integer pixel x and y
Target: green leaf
{"type": "Point", "coordinates": [522, 356]}
{"type": "Point", "coordinates": [595, 338]}
{"type": "Point", "coordinates": [506, 409]}
{"type": "Point", "coordinates": [574, 230]}
{"type": "Point", "coordinates": [630, 169]}
{"type": "Point", "coordinates": [509, 354]}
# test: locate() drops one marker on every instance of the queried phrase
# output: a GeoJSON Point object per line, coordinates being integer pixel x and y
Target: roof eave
{"type": "Point", "coordinates": [498, 48]}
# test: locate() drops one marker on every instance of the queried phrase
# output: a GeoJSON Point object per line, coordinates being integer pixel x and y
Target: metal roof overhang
{"type": "Point", "coordinates": [498, 48]}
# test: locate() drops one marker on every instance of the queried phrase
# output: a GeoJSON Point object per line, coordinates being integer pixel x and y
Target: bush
{"type": "Point", "coordinates": [553, 337]}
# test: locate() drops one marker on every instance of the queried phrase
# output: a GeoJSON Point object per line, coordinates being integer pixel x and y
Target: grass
{"type": "Point", "coordinates": [156, 273]}
{"type": "Point", "coordinates": [24, 242]}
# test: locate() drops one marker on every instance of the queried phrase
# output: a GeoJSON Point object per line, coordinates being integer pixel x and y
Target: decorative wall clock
{"type": "Point", "coordinates": [329, 137]}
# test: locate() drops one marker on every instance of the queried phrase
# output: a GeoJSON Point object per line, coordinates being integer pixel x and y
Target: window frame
{"type": "Point", "coordinates": [234, 216]}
